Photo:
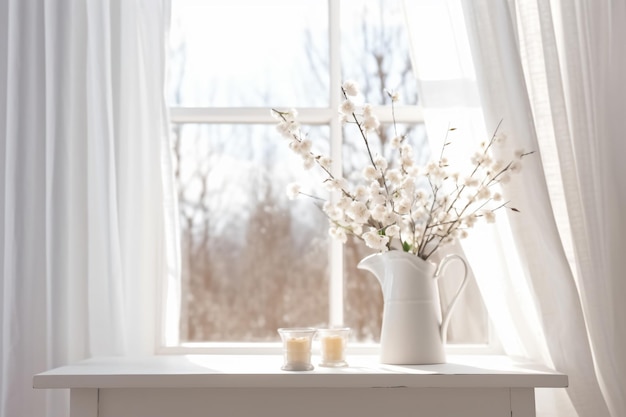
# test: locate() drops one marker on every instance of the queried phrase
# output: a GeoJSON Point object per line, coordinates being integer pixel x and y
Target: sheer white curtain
{"type": "Point", "coordinates": [553, 72]}
{"type": "Point", "coordinates": [85, 185]}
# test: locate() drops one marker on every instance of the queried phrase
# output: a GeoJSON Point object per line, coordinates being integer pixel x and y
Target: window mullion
{"type": "Point", "coordinates": [229, 115]}
{"type": "Point", "coordinates": [336, 248]}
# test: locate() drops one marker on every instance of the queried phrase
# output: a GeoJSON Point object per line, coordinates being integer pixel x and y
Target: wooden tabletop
{"type": "Point", "coordinates": [248, 371]}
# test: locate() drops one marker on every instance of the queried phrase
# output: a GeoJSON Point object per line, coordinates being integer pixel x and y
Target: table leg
{"type": "Point", "coordinates": [84, 402]}
{"type": "Point", "coordinates": [522, 402]}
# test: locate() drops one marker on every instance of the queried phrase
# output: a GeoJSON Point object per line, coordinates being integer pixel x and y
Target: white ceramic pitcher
{"type": "Point", "coordinates": [414, 327]}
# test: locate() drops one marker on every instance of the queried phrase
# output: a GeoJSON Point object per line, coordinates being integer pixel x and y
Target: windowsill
{"type": "Point", "coordinates": [263, 371]}
{"type": "Point", "coordinates": [228, 348]}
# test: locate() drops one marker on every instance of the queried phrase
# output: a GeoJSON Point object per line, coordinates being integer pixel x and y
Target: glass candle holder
{"type": "Point", "coordinates": [297, 348]}
{"type": "Point", "coordinates": [333, 344]}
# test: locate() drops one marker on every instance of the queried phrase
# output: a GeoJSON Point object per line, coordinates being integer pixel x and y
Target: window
{"type": "Point", "coordinates": [252, 260]}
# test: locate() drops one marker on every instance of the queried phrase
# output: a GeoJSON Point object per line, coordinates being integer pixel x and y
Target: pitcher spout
{"type": "Point", "coordinates": [373, 264]}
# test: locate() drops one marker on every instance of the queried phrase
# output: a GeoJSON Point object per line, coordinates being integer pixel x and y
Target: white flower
{"type": "Point", "coordinates": [419, 215]}
{"type": "Point", "coordinates": [396, 141]}
{"type": "Point", "coordinates": [378, 212]}
{"type": "Point", "coordinates": [484, 193]}
{"type": "Point", "coordinates": [344, 202]}
{"type": "Point", "coordinates": [338, 233]}
{"type": "Point", "coordinates": [301, 147]}
{"type": "Point", "coordinates": [356, 228]}
{"type": "Point", "coordinates": [497, 165]}
{"type": "Point", "coordinates": [389, 217]}
{"type": "Point", "coordinates": [375, 240]}
{"type": "Point", "coordinates": [436, 176]}
{"type": "Point", "coordinates": [325, 162]}
{"type": "Point", "coordinates": [358, 212]}
{"type": "Point", "coordinates": [333, 212]}
{"type": "Point", "coordinates": [291, 114]}
{"type": "Point", "coordinates": [378, 199]}
{"type": "Point", "coordinates": [420, 197]}
{"type": "Point", "coordinates": [283, 128]}
{"type": "Point", "coordinates": [371, 123]}
{"type": "Point", "coordinates": [361, 193]}
{"type": "Point", "coordinates": [470, 220]}
{"type": "Point", "coordinates": [403, 206]}
{"type": "Point", "coordinates": [293, 190]}
{"type": "Point", "coordinates": [408, 186]}
{"type": "Point", "coordinates": [335, 184]}
{"type": "Point", "coordinates": [368, 110]}
{"type": "Point", "coordinates": [406, 149]}
{"type": "Point", "coordinates": [497, 197]}
{"type": "Point", "coordinates": [393, 230]}
{"type": "Point", "coordinates": [347, 107]}
{"type": "Point", "coordinates": [308, 161]}
{"type": "Point", "coordinates": [395, 96]}
{"type": "Point", "coordinates": [350, 87]}
{"type": "Point", "coordinates": [394, 176]}
{"type": "Point", "coordinates": [305, 145]}
{"type": "Point", "coordinates": [375, 187]}
{"type": "Point", "coordinates": [370, 173]}
{"type": "Point", "coordinates": [477, 158]}
{"type": "Point", "coordinates": [490, 216]}
{"type": "Point", "coordinates": [407, 164]}
{"type": "Point", "coordinates": [381, 163]}
{"type": "Point", "coordinates": [471, 181]}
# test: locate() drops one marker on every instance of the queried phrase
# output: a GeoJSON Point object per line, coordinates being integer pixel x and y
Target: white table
{"type": "Point", "coordinates": [244, 385]}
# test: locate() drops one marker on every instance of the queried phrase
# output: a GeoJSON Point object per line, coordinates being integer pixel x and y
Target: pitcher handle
{"type": "Point", "coordinates": [448, 311]}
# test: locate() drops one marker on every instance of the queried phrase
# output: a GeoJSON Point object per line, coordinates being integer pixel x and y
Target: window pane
{"type": "Point", "coordinates": [253, 261]}
{"type": "Point", "coordinates": [375, 49]}
{"type": "Point", "coordinates": [249, 53]}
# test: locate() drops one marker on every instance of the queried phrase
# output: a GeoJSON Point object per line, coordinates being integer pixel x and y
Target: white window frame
{"type": "Point", "coordinates": [316, 116]}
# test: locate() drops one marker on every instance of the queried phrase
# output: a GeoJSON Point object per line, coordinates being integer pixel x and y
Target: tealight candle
{"type": "Point", "coordinates": [333, 346]}
{"type": "Point", "coordinates": [297, 348]}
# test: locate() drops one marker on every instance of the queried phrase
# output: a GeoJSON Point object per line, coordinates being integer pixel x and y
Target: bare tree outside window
{"type": "Point", "coordinates": [252, 261]}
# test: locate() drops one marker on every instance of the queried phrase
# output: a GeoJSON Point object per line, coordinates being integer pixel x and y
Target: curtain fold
{"type": "Point", "coordinates": [566, 56]}
{"type": "Point", "coordinates": [552, 72]}
{"type": "Point", "coordinates": [592, 61]}
{"type": "Point", "coordinates": [88, 214]}
{"type": "Point", "coordinates": [546, 271]}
